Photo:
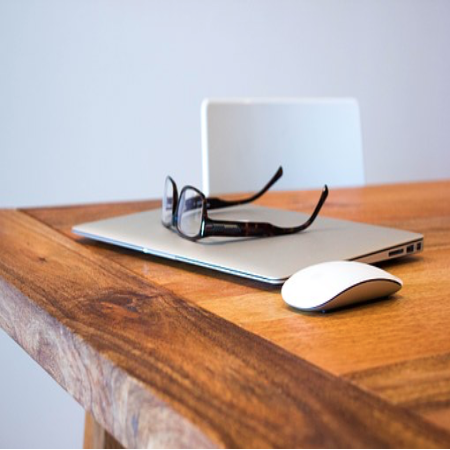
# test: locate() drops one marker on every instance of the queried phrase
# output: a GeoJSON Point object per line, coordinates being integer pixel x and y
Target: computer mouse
{"type": "Point", "coordinates": [334, 284]}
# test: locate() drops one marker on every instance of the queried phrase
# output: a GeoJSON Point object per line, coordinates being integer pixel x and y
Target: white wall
{"type": "Point", "coordinates": [99, 100]}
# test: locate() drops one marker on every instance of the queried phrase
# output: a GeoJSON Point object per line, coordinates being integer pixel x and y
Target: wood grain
{"type": "Point", "coordinates": [381, 330]}
{"type": "Point", "coordinates": [421, 385]}
{"type": "Point", "coordinates": [412, 326]}
{"type": "Point", "coordinates": [155, 370]}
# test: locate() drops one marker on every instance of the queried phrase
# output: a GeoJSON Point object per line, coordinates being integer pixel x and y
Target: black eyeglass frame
{"type": "Point", "coordinates": [215, 202]}
{"type": "Point", "coordinates": [229, 228]}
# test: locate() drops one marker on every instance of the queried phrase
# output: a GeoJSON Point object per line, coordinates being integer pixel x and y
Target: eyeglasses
{"type": "Point", "coordinates": [188, 213]}
{"type": "Point", "coordinates": [170, 199]}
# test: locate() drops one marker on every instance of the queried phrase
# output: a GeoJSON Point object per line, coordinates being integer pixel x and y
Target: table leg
{"type": "Point", "coordinates": [95, 436]}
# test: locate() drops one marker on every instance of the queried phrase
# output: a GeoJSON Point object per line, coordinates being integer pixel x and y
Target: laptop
{"type": "Point", "coordinates": [269, 260]}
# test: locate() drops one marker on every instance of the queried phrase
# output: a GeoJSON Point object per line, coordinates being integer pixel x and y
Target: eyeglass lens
{"type": "Point", "coordinates": [190, 213]}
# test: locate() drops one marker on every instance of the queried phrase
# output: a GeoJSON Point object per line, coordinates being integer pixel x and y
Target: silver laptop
{"type": "Point", "coordinates": [270, 260]}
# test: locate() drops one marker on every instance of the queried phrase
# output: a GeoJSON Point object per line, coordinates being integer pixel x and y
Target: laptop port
{"type": "Point", "coordinates": [397, 252]}
{"type": "Point", "coordinates": [419, 246]}
{"type": "Point", "coordinates": [410, 248]}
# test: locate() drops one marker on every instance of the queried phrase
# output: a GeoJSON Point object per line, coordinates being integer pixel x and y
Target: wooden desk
{"type": "Point", "coordinates": [165, 354]}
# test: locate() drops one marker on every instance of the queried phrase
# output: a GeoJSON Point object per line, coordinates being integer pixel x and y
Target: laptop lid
{"type": "Point", "coordinates": [269, 260]}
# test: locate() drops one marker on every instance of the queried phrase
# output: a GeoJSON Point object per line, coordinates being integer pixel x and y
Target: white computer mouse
{"type": "Point", "coordinates": [334, 284]}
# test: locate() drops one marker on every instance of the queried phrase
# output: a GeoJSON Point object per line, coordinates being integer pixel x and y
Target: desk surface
{"type": "Point", "coordinates": [166, 354]}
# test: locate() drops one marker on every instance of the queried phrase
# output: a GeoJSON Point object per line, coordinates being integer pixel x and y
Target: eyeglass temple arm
{"type": "Point", "coordinates": [232, 228]}
{"type": "Point", "coordinates": [215, 202]}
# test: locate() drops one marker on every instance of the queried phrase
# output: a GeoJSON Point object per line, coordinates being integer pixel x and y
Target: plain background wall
{"type": "Point", "coordinates": [99, 100]}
